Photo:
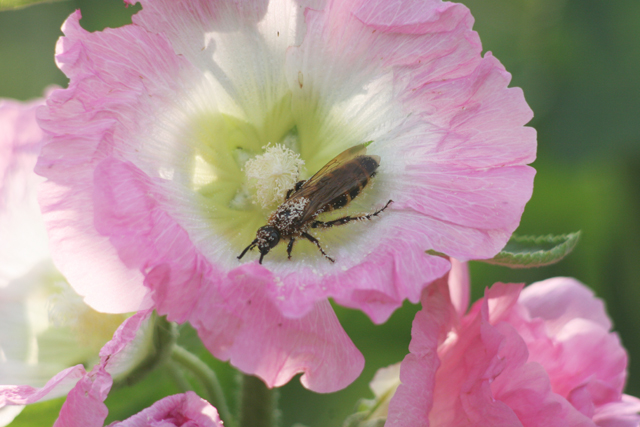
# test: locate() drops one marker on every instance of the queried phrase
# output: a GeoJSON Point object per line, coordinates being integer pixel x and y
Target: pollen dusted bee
{"type": "Point", "coordinates": [332, 187]}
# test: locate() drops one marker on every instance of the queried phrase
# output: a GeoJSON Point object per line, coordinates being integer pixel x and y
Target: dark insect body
{"type": "Point", "coordinates": [332, 187]}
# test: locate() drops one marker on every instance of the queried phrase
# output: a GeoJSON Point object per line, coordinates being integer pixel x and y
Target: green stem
{"type": "Point", "coordinates": [177, 375]}
{"type": "Point", "coordinates": [208, 379]}
{"type": "Point", "coordinates": [257, 403]}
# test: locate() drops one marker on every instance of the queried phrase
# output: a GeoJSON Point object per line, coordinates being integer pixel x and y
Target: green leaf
{"type": "Point", "coordinates": [39, 414]}
{"type": "Point", "coordinates": [17, 4]}
{"type": "Point", "coordinates": [436, 253]}
{"type": "Point", "coordinates": [535, 251]}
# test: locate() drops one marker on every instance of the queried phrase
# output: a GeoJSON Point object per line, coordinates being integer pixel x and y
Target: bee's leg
{"type": "Point", "coordinates": [295, 188]}
{"type": "Point", "coordinates": [346, 219]}
{"type": "Point", "coordinates": [290, 246]}
{"type": "Point", "coordinates": [248, 248]}
{"type": "Point", "coordinates": [313, 240]}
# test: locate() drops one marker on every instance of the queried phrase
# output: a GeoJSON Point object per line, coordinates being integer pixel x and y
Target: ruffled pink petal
{"type": "Point", "coordinates": [58, 385]}
{"type": "Point", "coordinates": [84, 406]}
{"type": "Point", "coordinates": [413, 400]}
{"type": "Point", "coordinates": [526, 390]}
{"type": "Point", "coordinates": [195, 19]}
{"type": "Point", "coordinates": [619, 414]}
{"type": "Point", "coordinates": [240, 323]}
{"type": "Point", "coordinates": [470, 364]}
{"type": "Point", "coordinates": [569, 335]}
{"type": "Point", "coordinates": [411, 17]}
{"type": "Point", "coordinates": [87, 391]}
{"type": "Point", "coordinates": [105, 69]}
{"type": "Point", "coordinates": [562, 299]}
{"type": "Point", "coordinates": [399, 269]}
{"type": "Point", "coordinates": [486, 370]}
{"type": "Point", "coordinates": [180, 410]}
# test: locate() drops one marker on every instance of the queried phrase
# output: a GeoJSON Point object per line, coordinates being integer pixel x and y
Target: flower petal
{"type": "Point", "coordinates": [22, 230]}
{"type": "Point", "coordinates": [178, 410]}
{"type": "Point", "coordinates": [478, 373]}
{"type": "Point", "coordinates": [619, 414]}
{"type": "Point", "coordinates": [84, 406]}
{"type": "Point", "coordinates": [86, 391]}
{"type": "Point", "coordinates": [570, 337]}
{"type": "Point", "coordinates": [101, 277]}
{"type": "Point", "coordinates": [459, 286]}
{"type": "Point", "coordinates": [413, 400]}
{"type": "Point", "coordinates": [561, 299]}
{"type": "Point", "coordinates": [243, 325]}
{"type": "Point", "coordinates": [9, 413]}
{"type": "Point", "coordinates": [59, 385]}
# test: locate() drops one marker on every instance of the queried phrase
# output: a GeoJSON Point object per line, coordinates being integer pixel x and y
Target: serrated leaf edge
{"type": "Point", "coordinates": [526, 260]}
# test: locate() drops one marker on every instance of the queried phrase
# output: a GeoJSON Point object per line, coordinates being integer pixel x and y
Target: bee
{"type": "Point", "coordinates": [332, 187]}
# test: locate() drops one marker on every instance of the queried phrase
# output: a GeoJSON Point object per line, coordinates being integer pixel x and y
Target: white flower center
{"type": "Point", "coordinates": [273, 173]}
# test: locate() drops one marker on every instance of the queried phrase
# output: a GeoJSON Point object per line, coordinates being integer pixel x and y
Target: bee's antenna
{"type": "Point", "coordinates": [248, 248]}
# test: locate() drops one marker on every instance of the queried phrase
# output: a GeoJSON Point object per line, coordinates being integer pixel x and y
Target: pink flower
{"type": "Point", "coordinates": [149, 180]}
{"type": "Point", "coordinates": [180, 410]}
{"type": "Point", "coordinates": [542, 356]}
{"type": "Point", "coordinates": [47, 333]}
{"type": "Point", "coordinates": [84, 406]}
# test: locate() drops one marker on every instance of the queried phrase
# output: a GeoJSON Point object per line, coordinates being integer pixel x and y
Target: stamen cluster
{"type": "Point", "coordinates": [273, 173]}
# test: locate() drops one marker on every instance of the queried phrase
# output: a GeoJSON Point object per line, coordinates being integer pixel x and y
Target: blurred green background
{"type": "Point", "coordinates": [578, 62]}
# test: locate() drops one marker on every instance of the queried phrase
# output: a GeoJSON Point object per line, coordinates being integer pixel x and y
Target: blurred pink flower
{"type": "Point", "coordinates": [47, 334]}
{"type": "Point", "coordinates": [180, 410]}
{"type": "Point", "coordinates": [84, 406]}
{"type": "Point", "coordinates": [542, 356]}
{"type": "Point", "coordinates": [146, 178]}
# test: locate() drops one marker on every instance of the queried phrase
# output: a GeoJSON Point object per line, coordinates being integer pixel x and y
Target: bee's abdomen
{"type": "Point", "coordinates": [359, 172]}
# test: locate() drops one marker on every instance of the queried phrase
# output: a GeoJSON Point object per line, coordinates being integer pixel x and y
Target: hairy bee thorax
{"type": "Point", "coordinates": [288, 217]}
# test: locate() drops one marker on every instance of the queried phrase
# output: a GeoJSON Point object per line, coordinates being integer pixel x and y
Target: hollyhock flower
{"type": "Point", "coordinates": [47, 333]}
{"type": "Point", "coordinates": [87, 391]}
{"type": "Point", "coordinates": [542, 356]}
{"type": "Point", "coordinates": [179, 133]}
{"type": "Point", "coordinates": [179, 410]}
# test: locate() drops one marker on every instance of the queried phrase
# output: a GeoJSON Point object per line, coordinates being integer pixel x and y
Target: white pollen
{"type": "Point", "coordinates": [273, 173]}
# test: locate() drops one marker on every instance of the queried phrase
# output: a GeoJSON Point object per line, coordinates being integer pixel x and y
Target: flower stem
{"type": "Point", "coordinates": [208, 379]}
{"type": "Point", "coordinates": [257, 403]}
{"type": "Point", "coordinates": [177, 375]}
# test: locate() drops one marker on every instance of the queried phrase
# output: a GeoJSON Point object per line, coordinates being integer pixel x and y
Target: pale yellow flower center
{"type": "Point", "coordinates": [273, 173]}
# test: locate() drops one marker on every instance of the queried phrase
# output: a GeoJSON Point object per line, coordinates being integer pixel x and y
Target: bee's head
{"type": "Point", "coordinates": [267, 238]}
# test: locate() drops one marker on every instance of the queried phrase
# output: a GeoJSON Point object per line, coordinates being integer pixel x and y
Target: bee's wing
{"type": "Point", "coordinates": [338, 184]}
{"type": "Point", "coordinates": [337, 161]}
